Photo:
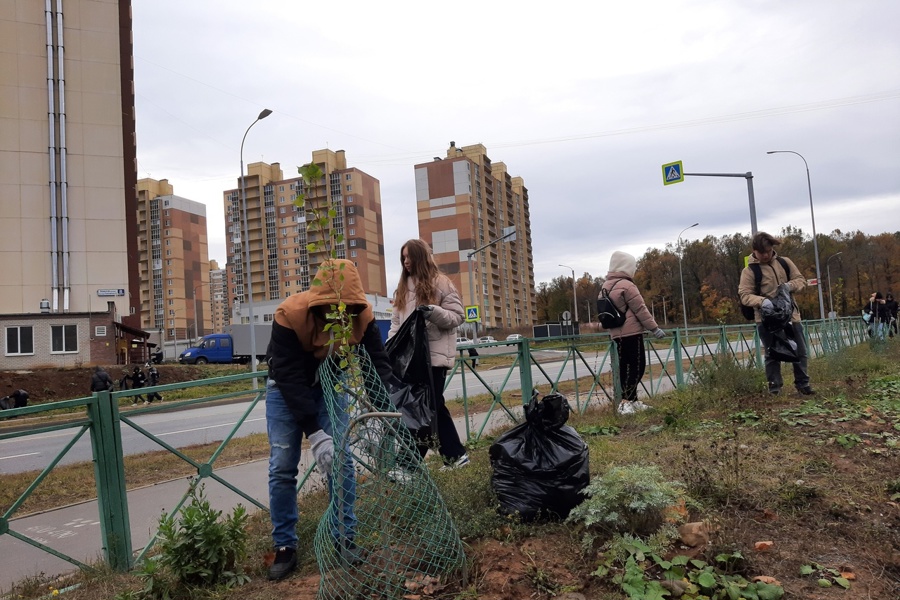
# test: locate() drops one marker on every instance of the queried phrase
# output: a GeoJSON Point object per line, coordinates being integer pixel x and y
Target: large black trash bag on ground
{"type": "Point", "coordinates": [411, 362]}
{"type": "Point", "coordinates": [541, 466]}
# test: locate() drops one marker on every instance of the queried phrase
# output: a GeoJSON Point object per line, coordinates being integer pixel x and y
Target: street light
{"type": "Point", "coordinates": [680, 276]}
{"type": "Point", "coordinates": [574, 291]}
{"type": "Point", "coordinates": [813, 215]}
{"type": "Point", "coordinates": [830, 297]}
{"type": "Point", "coordinates": [248, 294]}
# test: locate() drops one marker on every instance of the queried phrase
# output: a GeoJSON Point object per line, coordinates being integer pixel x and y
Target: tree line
{"type": "Point", "coordinates": [859, 264]}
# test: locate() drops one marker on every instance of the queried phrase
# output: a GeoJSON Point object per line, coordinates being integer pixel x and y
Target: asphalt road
{"type": "Point", "coordinates": [213, 423]}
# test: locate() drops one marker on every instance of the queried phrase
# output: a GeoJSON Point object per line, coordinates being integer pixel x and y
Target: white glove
{"type": "Point", "coordinates": [659, 333]}
{"type": "Point", "coordinates": [322, 450]}
{"type": "Point", "coordinates": [767, 305]}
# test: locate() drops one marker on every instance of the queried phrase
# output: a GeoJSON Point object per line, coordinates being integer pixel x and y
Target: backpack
{"type": "Point", "coordinates": [748, 311]}
{"type": "Point", "coordinates": [608, 314]}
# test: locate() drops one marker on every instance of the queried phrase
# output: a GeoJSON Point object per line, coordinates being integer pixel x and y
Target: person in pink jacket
{"type": "Point", "coordinates": [629, 337]}
{"type": "Point", "coordinates": [424, 288]}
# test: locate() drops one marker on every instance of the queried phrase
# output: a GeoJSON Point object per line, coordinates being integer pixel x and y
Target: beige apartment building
{"type": "Point", "coordinates": [174, 262]}
{"type": "Point", "coordinates": [280, 264]}
{"type": "Point", "coordinates": [67, 178]}
{"type": "Point", "coordinates": [218, 295]}
{"type": "Point", "coordinates": [464, 203]}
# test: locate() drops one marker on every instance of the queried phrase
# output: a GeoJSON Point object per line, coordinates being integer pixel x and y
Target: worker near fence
{"type": "Point", "coordinates": [296, 407]}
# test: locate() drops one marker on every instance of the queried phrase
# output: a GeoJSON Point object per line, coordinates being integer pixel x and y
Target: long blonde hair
{"type": "Point", "coordinates": [423, 269]}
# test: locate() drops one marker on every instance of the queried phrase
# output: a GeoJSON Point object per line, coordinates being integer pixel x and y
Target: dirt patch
{"type": "Point", "coordinates": [52, 385]}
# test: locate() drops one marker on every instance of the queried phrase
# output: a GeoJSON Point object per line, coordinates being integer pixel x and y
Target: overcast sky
{"type": "Point", "coordinates": [584, 100]}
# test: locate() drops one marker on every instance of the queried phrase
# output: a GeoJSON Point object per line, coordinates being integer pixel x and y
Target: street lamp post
{"type": "Point", "coordinates": [248, 287]}
{"type": "Point", "coordinates": [681, 276]}
{"type": "Point", "coordinates": [812, 214]}
{"type": "Point", "coordinates": [574, 291]}
{"type": "Point", "coordinates": [830, 297]}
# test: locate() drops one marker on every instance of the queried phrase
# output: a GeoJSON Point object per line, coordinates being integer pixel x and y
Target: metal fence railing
{"type": "Point", "coordinates": [588, 360]}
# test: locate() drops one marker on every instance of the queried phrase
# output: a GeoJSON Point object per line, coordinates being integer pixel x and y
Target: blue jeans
{"type": "Point", "coordinates": [285, 437]}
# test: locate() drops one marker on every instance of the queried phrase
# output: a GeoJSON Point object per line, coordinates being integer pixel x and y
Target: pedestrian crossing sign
{"type": "Point", "coordinates": [472, 315]}
{"type": "Point", "coordinates": [673, 173]}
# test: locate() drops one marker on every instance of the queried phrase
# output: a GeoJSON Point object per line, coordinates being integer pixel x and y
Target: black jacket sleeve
{"type": "Point", "coordinates": [294, 371]}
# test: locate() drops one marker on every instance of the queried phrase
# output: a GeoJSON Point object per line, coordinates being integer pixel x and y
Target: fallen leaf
{"type": "Point", "coordinates": [767, 579]}
{"type": "Point", "coordinates": [763, 546]}
{"type": "Point", "coordinates": [848, 575]}
{"type": "Point", "coordinates": [769, 515]}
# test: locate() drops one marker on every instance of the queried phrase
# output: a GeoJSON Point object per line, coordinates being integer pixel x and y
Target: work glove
{"type": "Point", "coordinates": [658, 333]}
{"type": "Point", "coordinates": [426, 310]}
{"type": "Point", "coordinates": [785, 287]}
{"type": "Point", "coordinates": [322, 450]}
{"type": "Point", "coordinates": [767, 305]}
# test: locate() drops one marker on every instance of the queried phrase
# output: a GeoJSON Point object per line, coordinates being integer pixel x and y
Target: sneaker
{"type": "Point", "coordinates": [400, 475]}
{"type": "Point", "coordinates": [626, 408]}
{"type": "Point", "coordinates": [774, 391]}
{"type": "Point", "coordinates": [459, 463]}
{"type": "Point", "coordinates": [146, 402]}
{"type": "Point", "coordinates": [637, 405]}
{"type": "Point", "coordinates": [806, 391]}
{"type": "Point", "coordinates": [285, 562]}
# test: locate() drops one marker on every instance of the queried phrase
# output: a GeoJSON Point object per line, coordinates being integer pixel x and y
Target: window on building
{"type": "Point", "coordinates": [351, 210]}
{"type": "Point", "coordinates": [351, 220]}
{"type": "Point", "coordinates": [171, 302]}
{"type": "Point", "coordinates": [352, 232]}
{"type": "Point", "coordinates": [352, 243]}
{"type": "Point", "coordinates": [282, 209]}
{"type": "Point", "coordinates": [349, 188]}
{"type": "Point", "coordinates": [285, 262]}
{"type": "Point", "coordinates": [166, 213]}
{"type": "Point", "coordinates": [63, 338]}
{"type": "Point", "coordinates": [171, 292]}
{"type": "Point", "coordinates": [280, 188]}
{"type": "Point", "coordinates": [287, 284]}
{"type": "Point", "coordinates": [168, 271]}
{"type": "Point", "coordinates": [348, 176]}
{"type": "Point", "coordinates": [169, 263]}
{"type": "Point", "coordinates": [353, 254]}
{"type": "Point", "coordinates": [285, 252]}
{"type": "Point", "coordinates": [19, 340]}
{"type": "Point", "coordinates": [168, 222]}
{"type": "Point", "coordinates": [168, 253]}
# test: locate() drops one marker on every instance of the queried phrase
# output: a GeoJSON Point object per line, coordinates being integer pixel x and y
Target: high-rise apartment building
{"type": "Point", "coordinates": [280, 264]}
{"type": "Point", "coordinates": [67, 179]}
{"type": "Point", "coordinates": [464, 203]}
{"type": "Point", "coordinates": [174, 262]}
{"type": "Point", "coordinates": [218, 294]}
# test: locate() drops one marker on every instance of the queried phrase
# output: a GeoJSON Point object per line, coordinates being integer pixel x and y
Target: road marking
{"type": "Point", "coordinates": [19, 455]}
{"type": "Point", "coordinates": [207, 427]}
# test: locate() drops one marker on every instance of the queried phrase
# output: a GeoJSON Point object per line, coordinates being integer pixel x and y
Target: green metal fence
{"type": "Point", "coordinates": [591, 360]}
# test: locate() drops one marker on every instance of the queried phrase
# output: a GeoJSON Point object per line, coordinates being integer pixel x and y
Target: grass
{"type": "Point", "coordinates": [758, 468]}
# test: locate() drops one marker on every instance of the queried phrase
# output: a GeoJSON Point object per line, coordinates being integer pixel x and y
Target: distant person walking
{"type": "Point", "coordinates": [778, 273]}
{"type": "Point", "coordinates": [879, 316]}
{"type": "Point", "coordinates": [629, 338]}
{"type": "Point", "coordinates": [890, 306]}
{"type": "Point", "coordinates": [152, 380]}
{"type": "Point", "coordinates": [101, 381]}
{"type": "Point", "coordinates": [138, 380]}
{"type": "Point", "coordinates": [424, 288]}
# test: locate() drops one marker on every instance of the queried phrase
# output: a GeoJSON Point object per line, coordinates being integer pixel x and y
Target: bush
{"type": "Point", "coordinates": [198, 550]}
{"type": "Point", "coordinates": [630, 499]}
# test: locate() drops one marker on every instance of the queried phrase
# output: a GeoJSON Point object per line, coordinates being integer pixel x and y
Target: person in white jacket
{"type": "Point", "coordinates": [424, 288]}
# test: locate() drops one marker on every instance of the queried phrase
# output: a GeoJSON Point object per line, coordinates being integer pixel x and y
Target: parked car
{"type": "Point", "coordinates": [487, 339]}
{"type": "Point", "coordinates": [515, 337]}
{"type": "Point", "coordinates": [461, 341]}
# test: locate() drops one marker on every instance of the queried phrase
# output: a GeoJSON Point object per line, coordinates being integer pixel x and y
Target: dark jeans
{"type": "Point", "coordinates": [773, 366]}
{"type": "Point", "coordinates": [632, 364]}
{"type": "Point", "coordinates": [449, 444]}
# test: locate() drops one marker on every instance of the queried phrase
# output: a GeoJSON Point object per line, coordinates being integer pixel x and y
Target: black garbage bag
{"type": "Point", "coordinates": [783, 346]}
{"type": "Point", "coordinates": [411, 362]}
{"type": "Point", "coordinates": [540, 467]}
{"type": "Point", "coordinates": [776, 317]}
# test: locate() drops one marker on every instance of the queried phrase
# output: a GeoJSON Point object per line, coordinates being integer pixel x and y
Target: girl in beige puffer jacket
{"type": "Point", "coordinates": [423, 287]}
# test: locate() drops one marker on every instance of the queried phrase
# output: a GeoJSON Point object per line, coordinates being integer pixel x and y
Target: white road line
{"type": "Point", "coordinates": [19, 455]}
{"type": "Point", "coordinates": [204, 428]}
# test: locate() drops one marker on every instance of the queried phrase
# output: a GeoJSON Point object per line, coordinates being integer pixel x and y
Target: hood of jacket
{"type": "Point", "coordinates": [337, 280]}
{"type": "Point", "coordinates": [622, 262]}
